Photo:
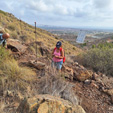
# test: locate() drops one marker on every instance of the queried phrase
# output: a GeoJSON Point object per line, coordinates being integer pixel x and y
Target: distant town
{"type": "Point", "coordinates": [93, 35]}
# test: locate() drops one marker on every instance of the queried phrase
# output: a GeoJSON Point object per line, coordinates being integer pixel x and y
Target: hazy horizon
{"type": "Point", "coordinates": [76, 27]}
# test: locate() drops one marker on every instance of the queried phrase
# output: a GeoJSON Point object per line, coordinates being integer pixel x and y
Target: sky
{"type": "Point", "coordinates": [64, 13]}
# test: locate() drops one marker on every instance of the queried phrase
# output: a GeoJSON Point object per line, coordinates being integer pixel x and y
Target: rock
{"type": "Point", "coordinates": [111, 108]}
{"type": "Point", "coordinates": [109, 92]}
{"type": "Point", "coordinates": [37, 65]}
{"type": "Point", "coordinates": [93, 84]}
{"type": "Point", "coordinates": [40, 43]}
{"type": "Point", "coordinates": [68, 72]}
{"type": "Point", "coordinates": [103, 75]}
{"type": "Point", "coordinates": [16, 46]}
{"type": "Point", "coordinates": [8, 93]}
{"type": "Point", "coordinates": [44, 51]}
{"type": "Point", "coordinates": [112, 99]}
{"type": "Point", "coordinates": [82, 74]}
{"type": "Point", "coordinates": [48, 104]}
{"type": "Point", "coordinates": [76, 63]}
{"type": "Point", "coordinates": [94, 76]}
{"type": "Point", "coordinates": [87, 82]}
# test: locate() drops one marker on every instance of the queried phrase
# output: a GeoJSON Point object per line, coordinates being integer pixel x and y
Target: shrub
{"type": "Point", "coordinates": [93, 46]}
{"type": "Point", "coordinates": [105, 45]}
{"type": "Point", "coordinates": [82, 45]}
{"type": "Point", "coordinates": [99, 59]}
{"type": "Point", "coordinates": [11, 27]}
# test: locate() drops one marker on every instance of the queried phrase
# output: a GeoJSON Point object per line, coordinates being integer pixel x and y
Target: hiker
{"type": "Point", "coordinates": [57, 56]}
{"type": "Point", "coordinates": [3, 38]}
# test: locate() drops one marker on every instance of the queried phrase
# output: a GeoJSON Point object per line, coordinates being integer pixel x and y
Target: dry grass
{"type": "Point", "coordinates": [57, 86]}
{"type": "Point", "coordinates": [12, 76]}
{"type": "Point", "coordinates": [16, 77]}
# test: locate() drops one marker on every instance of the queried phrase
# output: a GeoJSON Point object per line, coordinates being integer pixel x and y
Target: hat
{"type": "Point", "coordinates": [6, 36]}
{"type": "Point", "coordinates": [58, 45]}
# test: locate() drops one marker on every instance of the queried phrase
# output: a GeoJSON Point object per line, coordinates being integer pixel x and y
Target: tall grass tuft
{"type": "Point", "coordinates": [12, 76]}
{"type": "Point", "coordinates": [57, 86]}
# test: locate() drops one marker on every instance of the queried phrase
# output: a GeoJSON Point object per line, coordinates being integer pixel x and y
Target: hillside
{"type": "Point", "coordinates": [30, 85]}
{"type": "Point", "coordinates": [25, 33]}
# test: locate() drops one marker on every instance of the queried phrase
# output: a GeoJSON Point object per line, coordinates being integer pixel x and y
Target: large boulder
{"type": "Point", "coordinates": [81, 73]}
{"type": "Point", "coordinates": [48, 104]}
{"type": "Point", "coordinates": [77, 71]}
{"type": "Point", "coordinates": [16, 46]}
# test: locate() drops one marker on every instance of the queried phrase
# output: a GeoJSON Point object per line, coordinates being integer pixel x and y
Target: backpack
{"type": "Point", "coordinates": [64, 54]}
{"type": "Point", "coordinates": [2, 41]}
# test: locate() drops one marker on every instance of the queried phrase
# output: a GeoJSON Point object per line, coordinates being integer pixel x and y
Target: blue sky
{"type": "Point", "coordinates": [67, 13]}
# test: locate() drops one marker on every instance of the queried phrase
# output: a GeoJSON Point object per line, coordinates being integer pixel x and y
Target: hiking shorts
{"type": "Point", "coordinates": [58, 65]}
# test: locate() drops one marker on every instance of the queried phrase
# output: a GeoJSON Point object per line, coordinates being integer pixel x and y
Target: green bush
{"type": "Point", "coordinates": [105, 45]}
{"type": "Point", "coordinates": [93, 46]}
{"type": "Point", "coordinates": [99, 59]}
{"type": "Point", "coordinates": [84, 44]}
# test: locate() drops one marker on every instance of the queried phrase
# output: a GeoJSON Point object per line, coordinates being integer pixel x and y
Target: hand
{"type": "Point", "coordinates": [56, 56]}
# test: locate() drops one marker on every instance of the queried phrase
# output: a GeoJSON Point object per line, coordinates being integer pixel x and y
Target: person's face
{"type": "Point", "coordinates": [58, 48]}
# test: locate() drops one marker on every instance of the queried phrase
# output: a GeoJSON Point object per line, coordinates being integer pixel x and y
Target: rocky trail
{"type": "Point", "coordinates": [93, 90]}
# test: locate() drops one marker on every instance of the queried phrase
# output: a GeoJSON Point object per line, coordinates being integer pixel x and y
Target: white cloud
{"type": "Point", "coordinates": [86, 12]}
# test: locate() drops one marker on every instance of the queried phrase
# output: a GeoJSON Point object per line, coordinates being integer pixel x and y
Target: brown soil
{"type": "Point", "coordinates": [92, 99]}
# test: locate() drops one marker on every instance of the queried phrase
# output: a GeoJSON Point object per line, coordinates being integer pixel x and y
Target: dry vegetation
{"type": "Point", "coordinates": [57, 86]}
